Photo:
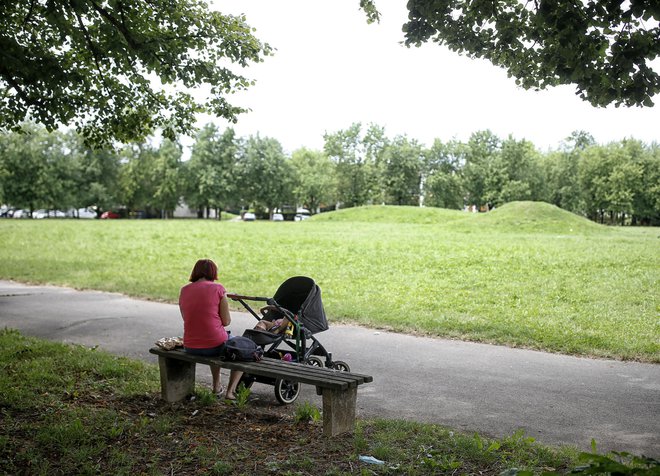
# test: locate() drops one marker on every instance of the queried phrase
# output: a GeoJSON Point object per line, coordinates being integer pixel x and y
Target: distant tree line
{"type": "Point", "coordinates": [617, 183]}
{"type": "Point", "coordinates": [614, 183]}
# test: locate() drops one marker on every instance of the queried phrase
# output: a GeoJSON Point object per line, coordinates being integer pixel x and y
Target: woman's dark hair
{"type": "Point", "coordinates": [204, 268]}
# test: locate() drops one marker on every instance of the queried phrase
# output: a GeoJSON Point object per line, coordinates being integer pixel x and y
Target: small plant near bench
{"type": "Point", "coordinates": [205, 396]}
{"type": "Point", "coordinates": [242, 395]}
{"type": "Point", "coordinates": [307, 412]}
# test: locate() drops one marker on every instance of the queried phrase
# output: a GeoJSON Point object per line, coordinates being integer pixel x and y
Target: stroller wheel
{"type": "Point", "coordinates": [314, 361]}
{"type": "Point", "coordinates": [286, 391]}
{"type": "Point", "coordinates": [341, 366]}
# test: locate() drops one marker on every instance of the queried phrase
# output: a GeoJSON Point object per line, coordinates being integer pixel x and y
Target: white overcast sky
{"type": "Point", "coordinates": [331, 69]}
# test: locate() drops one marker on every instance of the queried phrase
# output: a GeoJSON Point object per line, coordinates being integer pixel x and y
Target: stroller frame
{"type": "Point", "coordinates": [297, 341]}
{"type": "Point", "coordinates": [270, 342]}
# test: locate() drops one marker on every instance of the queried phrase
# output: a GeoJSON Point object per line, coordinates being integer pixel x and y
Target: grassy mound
{"type": "Point", "coordinates": [394, 214]}
{"type": "Point", "coordinates": [537, 217]}
{"type": "Point", "coordinates": [528, 217]}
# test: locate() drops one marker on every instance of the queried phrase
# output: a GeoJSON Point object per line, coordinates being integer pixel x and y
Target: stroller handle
{"type": "Point", "coordinates": [270, 301]}
{"type": "Point", "coordinates": [239, 297]}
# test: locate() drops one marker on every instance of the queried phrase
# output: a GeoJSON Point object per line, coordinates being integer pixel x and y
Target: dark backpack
{"type": "Point", "coordinates": [242, 348]}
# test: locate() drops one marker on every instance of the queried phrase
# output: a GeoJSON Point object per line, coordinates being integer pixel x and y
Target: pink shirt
{"type": "Point", "coordinates": [199, 303]}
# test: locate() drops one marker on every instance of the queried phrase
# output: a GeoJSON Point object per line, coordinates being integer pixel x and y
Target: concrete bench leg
{"type": "Point", "coordinates": [177, 379]}
{"type": "Point", "coordinates": [339, 411]}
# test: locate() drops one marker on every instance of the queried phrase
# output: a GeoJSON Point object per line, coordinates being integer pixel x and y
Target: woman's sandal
{"type": "Point", "coordinates": [220, 392]}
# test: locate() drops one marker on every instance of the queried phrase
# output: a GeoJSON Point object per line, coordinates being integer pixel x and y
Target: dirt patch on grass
{"type": "Point", "coordinates": [144, 435]}
{"type": "Point", "coordinates": [258, 439]}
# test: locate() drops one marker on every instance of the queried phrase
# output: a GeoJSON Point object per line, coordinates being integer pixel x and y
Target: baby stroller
{"type": "Point", "coordinates": [297, 303]}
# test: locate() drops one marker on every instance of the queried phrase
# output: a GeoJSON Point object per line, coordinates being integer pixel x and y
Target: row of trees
{"type": "Point", "coordinates": [617, 183]}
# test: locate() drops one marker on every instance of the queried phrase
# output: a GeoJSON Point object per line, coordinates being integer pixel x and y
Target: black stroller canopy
{"type": "Point", "coordinates": [302, 296]}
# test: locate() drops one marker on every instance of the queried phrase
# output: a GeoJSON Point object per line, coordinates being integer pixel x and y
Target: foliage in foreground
{"type": "Point", "coordinates": [609, 60]}
{"type": "Point", "coordinates": [92, 65]}
{"type": "Point", "coordinates": [72, 410]}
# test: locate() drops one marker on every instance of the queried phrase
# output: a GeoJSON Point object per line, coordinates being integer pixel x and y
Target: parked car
{"type": "Point", "coordinates": [84, 213]}
{"type": "Point", "coordinates": [249, 216]}
{"type": "Point", "coordinates": [278, 217]}
{"type": "Point", "coordinates": [39, 214]}
{"type": "Point", "coordinates": [300, 217]}
{"type": "Point", "coordinates": [20, 214]}
{"type": "Point", "coordinates": [81, 213]}
{"type": "Point", "coordinates": [109, 214]}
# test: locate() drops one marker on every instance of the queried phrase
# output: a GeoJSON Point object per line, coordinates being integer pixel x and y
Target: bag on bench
{"type": "Point", "coordinates": [244, 349]}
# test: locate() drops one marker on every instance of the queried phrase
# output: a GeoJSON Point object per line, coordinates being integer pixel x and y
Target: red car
{"type": "Point", "coordinates": [109, 214]}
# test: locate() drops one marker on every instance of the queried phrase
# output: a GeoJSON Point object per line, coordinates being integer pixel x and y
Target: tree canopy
{"type": "Point", "coordinates": [211, 178]}
{"type": "Point", "coordinates": [614, 183]}
{"type": "Point", "coordinates": [603, 47]}
{"type": "Point", "coordinates": [117, 70]}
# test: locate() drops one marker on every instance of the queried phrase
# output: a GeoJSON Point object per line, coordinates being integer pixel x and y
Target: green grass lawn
{"type": "Point", "coordinates": [526, 274]}
{"type": "Point", "coordinates": [71, 410]}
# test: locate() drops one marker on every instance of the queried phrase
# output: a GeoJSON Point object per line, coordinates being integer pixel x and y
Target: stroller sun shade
{"type": "Point", "coordinates": [302, 296]}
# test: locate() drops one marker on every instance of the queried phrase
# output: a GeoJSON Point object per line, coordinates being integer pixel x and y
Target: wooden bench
{"type": "Point", "coordinates": [339, 389]}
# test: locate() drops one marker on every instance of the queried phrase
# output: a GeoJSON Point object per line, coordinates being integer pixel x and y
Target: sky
{"type": "Point", "coordinates": [331, 69]}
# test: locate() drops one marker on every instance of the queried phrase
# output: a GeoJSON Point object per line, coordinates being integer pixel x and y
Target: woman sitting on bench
{"type": "Point", "coordinates": [205, 311]}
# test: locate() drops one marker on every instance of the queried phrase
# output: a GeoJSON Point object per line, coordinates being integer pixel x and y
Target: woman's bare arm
{"type": "Point", "coordinates": [225, 316]}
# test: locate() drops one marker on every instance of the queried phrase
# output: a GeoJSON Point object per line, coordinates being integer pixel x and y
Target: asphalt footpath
{"type": "Point", "coordinates": [492, 390]}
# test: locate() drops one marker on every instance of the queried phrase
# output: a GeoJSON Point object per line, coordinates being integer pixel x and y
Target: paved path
{"type": "Point", "coordinates": [473, 387]}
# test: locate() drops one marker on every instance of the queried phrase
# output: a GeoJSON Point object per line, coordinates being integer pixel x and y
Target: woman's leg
{"type": "Point", "coordinates": [215, 373]}
{"type": "Point", "coordinates": [234, 378]}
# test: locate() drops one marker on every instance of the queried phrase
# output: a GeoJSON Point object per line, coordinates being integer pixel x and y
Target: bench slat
{"type": "Point", "coordinates": [322, 372]}
{"type": "Point", "coordinates": [318, 376]}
